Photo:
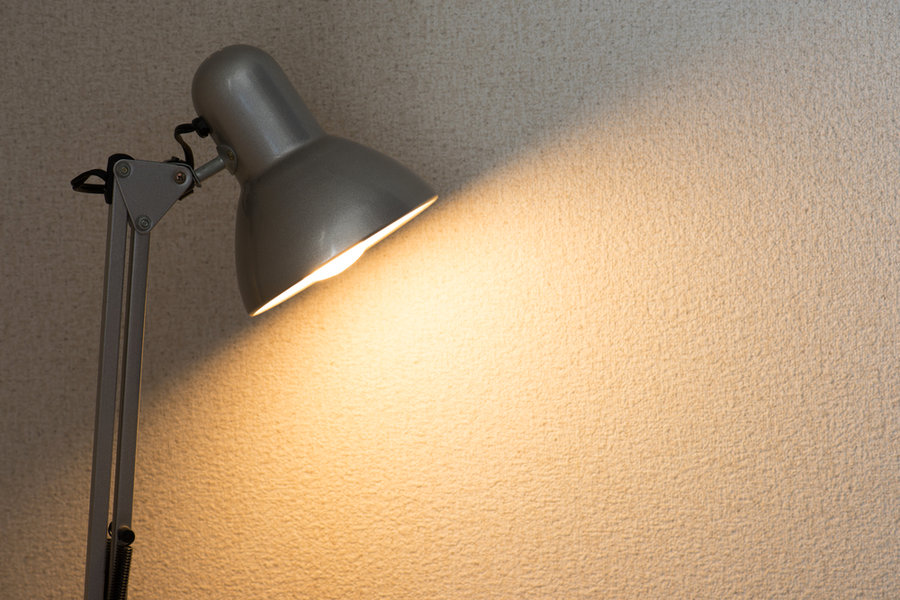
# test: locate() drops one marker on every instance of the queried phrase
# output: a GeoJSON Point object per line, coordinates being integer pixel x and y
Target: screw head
{"type": "Point", "coordinates": [229, 154]}
{"type": "Point", "coordinates": [180, 177]}
{"type": "Point", "coordinates": [143, 223]}
{"type": "Point", "coordinates": [123, 170]}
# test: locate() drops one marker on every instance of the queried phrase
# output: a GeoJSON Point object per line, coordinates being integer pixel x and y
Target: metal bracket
{"type": "Point", "coordinates": [149, 189]}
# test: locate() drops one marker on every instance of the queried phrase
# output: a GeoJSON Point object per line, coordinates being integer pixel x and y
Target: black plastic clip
{"type": "Point", "coordinates": [80, 184]}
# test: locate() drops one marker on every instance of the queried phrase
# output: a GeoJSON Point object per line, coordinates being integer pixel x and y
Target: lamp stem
{"type": "Point", "coordinates": [104, 421]}
{"type": "Point", "coordinates": [128, 414]}
{"type": "Point", "coordinates": [106, 566]}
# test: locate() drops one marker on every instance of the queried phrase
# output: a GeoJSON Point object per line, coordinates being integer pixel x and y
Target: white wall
{"type": "Point", "coordinates": [645, 346]}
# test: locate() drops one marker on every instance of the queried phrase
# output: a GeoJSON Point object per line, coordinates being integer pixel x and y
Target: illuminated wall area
{"type": "Point", "coordinates": [645, 345]}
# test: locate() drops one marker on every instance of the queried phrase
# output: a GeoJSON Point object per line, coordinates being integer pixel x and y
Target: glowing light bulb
{"type": "Point", "coordinates": [337, 264]}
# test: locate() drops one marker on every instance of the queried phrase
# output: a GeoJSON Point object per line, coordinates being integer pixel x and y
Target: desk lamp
{"type": "Point", "coordinates": [310, 205]}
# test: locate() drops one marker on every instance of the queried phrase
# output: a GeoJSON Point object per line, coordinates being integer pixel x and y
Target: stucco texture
{"type": "Point", "coordinates": [644, 346]}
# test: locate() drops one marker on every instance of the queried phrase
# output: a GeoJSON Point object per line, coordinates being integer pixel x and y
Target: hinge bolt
{"type": "Point", "coordinates": [123, 170]}
{"type": "Point", "coordinates": [180, 177]}
{"type": "Point", "coordinates": [143, 223]}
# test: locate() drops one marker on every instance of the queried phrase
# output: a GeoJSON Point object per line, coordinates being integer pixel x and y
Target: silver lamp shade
{"type": "Point", "coordinates": [310, 203]}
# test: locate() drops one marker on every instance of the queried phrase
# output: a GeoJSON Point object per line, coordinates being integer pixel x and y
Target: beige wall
{"type": "Point", "coordinates": [645, 346]}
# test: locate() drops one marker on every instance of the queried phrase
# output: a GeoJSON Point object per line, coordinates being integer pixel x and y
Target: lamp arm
{"type": "Point", "coordinates": [142, 193]}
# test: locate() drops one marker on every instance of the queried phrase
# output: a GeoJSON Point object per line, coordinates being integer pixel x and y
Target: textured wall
{"type": "Point", "coordinates": [645, 346]}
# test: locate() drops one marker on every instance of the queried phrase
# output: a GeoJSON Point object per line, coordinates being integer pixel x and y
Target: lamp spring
{"type": "Point", "coordinates": [118, 583]}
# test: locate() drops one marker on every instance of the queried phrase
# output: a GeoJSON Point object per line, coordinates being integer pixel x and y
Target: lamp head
{"type": "Point", "coordinates": [310, 203]}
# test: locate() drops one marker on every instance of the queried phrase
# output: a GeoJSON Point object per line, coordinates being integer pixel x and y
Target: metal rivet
{"type": "Point", "coordinates": [229, 154]}
{"type": "Point", "coordinates": [143, 223]}
{"type": "Point", "coordinates": [180, 177]}
{"type": "Point", "coordinates": [123, 170]}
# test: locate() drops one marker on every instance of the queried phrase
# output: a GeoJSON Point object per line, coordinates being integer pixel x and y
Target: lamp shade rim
{"type": "Point", "coordinates": [349, 256]}
{"type": "Point", "coordinates": [312, 206]}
